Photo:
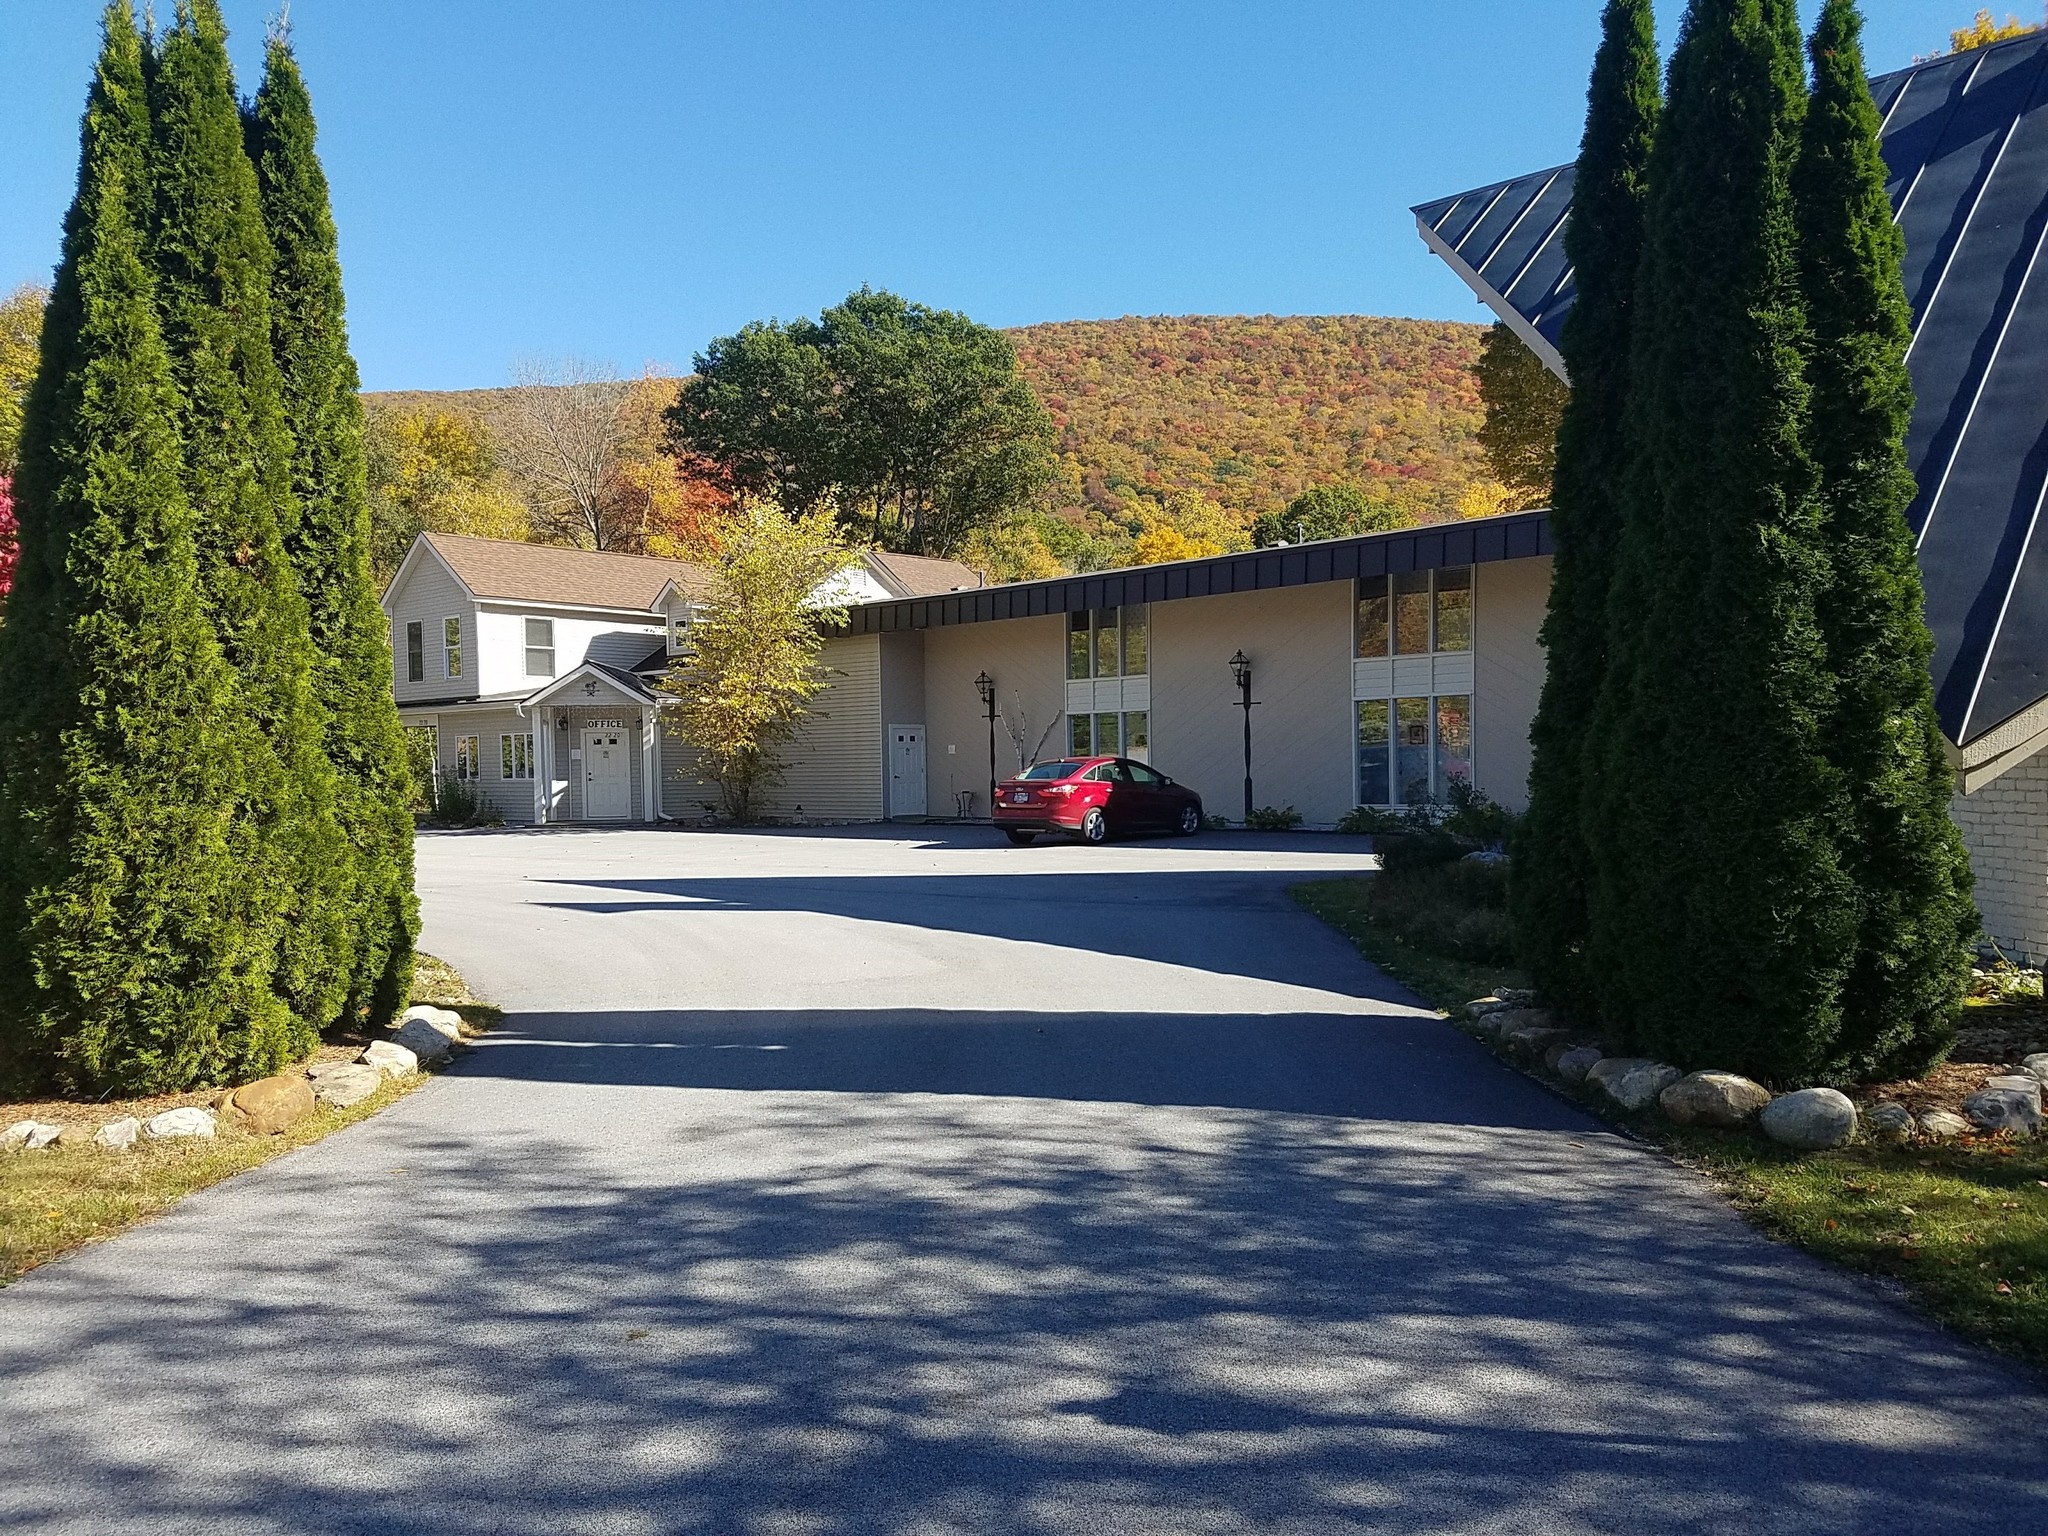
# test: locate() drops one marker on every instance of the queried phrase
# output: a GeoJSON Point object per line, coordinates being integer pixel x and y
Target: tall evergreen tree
{"type": "Point", "coordinates": [1905, 856]}
{"type": "Point", "coordinates": [212, 259]}
{"type": "Point", "coordinates": [1723, 909]}
{"type": "Point", "coordinates": [330, 546]}
{"type": "Point", "coordinates": [1553, 865]}
{"type": "Point", "coordinates": [124, 963]}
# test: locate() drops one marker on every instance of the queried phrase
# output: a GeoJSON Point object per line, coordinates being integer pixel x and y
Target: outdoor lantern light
{"type": "Point", "coordinates": [1241, 673]}
{"type": "Point", "coordinates": [986, 687]}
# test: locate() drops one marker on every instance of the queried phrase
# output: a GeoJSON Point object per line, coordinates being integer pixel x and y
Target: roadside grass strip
{"type": "Point", "coordinates": [1961, 1227]}
{"type": "Point", "coordinates": [62, 1197]}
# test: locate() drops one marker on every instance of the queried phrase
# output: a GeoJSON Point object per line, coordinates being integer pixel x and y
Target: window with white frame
{"type": "Point", "coordinates": [515, 756]}
{"type": "Point", "coordinates": [468, 757]}
{"type": "Point", "coordinates": [451, 646]}
{"type": "Point", "coordinates": [1412, 697]}
{"type": "Point", "coordinates": [679, 631]}
{"type": "Point", "coordinates": [540, 647]}
{"type": "Point", "coordinates": [415, 652]}
{"type": "Point", "coordinates": [1124, 734]}
{"type": "Point", "coordinates": [1109, 642]}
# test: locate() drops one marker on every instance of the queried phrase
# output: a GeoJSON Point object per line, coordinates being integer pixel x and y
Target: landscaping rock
{"type": "Point", "coordinates": [1639, 1089]}
{"type": "Point", "coordinates": [1944, 1125]}
{"type": "Point", "coordinates": [391, 1059]}
{"type": "Point", "coordinates": [118, 1135]}
{"type": "Point", "coordinates": [2019, 1082]}
{"type": "Point", "coordinates": [1573, 1065]}
{"type": "Point", "coordinates": [1480, 1007]}
{"type": "Point", "coordinates": [1713, 1098]}
{"type": "Point", "coordinates": [346, 1084]}
{"type": "Point", "coordinates": [189, 1121]}
{"type": "Point", "coordinates": [2005, 1109]}
{"type": "Point", "coordinates": [1535, 1041]}
{"type": "Point", "coordinates": [1520, 995]}
{"type": "Point", "coordinates": [421, 1038]}
{"type": "Point", "coordinates": [273, 1104]}
{"type": "Point", "coordinates": [1811, 1119]}
{"type": "Point", "coordinates": [30, 1135]}
{"type": "Point", "coordinates": [1612, 1069]}
{"type": "Point", "coordinates": [1889, 1119]}
{"type": "Point", "coordinates": [446, 1020]}
{"type": "Point", "coordinates": [2036, 1065]}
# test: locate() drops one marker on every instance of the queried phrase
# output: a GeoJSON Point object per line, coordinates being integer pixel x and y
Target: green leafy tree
{"type": "Point", "coordinates": [1523, 402]}
{"type": "Point", "coordinates": [1326, 512]}
{"type": "Point", "coordinates": [329, 545]}
{"type": "Point", "coordinates": [212, 259]}
{"type": "Point", "coordinates": [1733, 949]}
{"type": "Point", "coordinates": [130, 961]}
{"type": "Point", "coordinates": [1553, 868]}
{"type": "Point", "coordinates": [1905, 858]}
{"type": "Point", "coordinates": [752, 667]}
{"type": "Point", "coordinates": [21, 329]}
{"type": "Point", "coordinates": [914, 424]}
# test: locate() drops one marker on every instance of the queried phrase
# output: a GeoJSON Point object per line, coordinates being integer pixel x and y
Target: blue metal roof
{"type": "Point", "coordinates": [1966, 143]}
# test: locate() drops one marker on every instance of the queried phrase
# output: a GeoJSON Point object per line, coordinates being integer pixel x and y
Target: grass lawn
{"type": "Point", "coordinates": [62, 1197]}
{"type": "Point", "coordinates": [1962, 1226]}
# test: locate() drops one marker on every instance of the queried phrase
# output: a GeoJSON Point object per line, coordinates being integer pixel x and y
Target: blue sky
{"type": "Point", "coordinates": [621, 180]}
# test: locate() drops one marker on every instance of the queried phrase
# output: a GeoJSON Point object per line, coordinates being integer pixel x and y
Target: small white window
{"type": "Point", "coordinates": [515, 757]}
{"type": "Point", "coordinates": [468, 756]}
{"type": "Point", "coordinates": [451, 645]}
{"type": "Point", "coordinates": [540, 647]}
{"type": "Point", "coordinates": [679, 632]}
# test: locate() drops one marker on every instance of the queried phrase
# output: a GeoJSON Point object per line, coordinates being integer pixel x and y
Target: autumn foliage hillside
{"type": "Point", "coordinates": [1250, 410]}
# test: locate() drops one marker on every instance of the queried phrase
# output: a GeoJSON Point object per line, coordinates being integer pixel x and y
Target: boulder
{"type": "Point", "coordinates": [2019, 1082]}
{"type": "Point", "coordinates": [2005, 1109]}
{"type": "Point", "coordinates": [2036, 1065]}
{"type": "Point", "coordinates": [424, 1041]}
{"type": "Point", "coordinates": [1639, 1089]}
{"type": "Point", "coordinates": [1713, 1098]}
{"type": "Point", "coordinates": [189, 1121]}
{"type": "Point", "coordinates": [30, 1135]}
{"type": "Point", "coordinates": [1944, 1125]}
{"type": "Point", "coordinates": [118, 1135]}
{"type": "Point", "coordinates": [273, 1104]}
{"type": "Point", "coordinates": [1508, 1020]}
{"type": "Point", "coordinates": [1573, 1065]}
{"type": "Point", "coordinates": [1611, 1069]}
{"type": "Point", "coordinates": [347, 1083]}
{"type": "Point", "coordinates": [1534, 1042]}
{"type": "Point", "coordinates": [390, 1059]}
{"type": "Point", "coordinates": [446, 1020]}
{"type": "Point", "coordinates": [1480, 1007]}
{"type": "Point", "coordinates": [1811, 1119]}
{"type": "Point", "coordinates": [1889, 1119]}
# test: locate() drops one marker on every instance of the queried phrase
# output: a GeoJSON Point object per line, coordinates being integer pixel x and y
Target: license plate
{"type": "Point", "coordinates": [1020, 799]}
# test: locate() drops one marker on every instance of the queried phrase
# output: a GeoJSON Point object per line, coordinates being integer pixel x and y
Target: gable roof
{"type": "Point", "coordinates": [1966, 146]}
{"type": "Point", "coordinates": [919, 575]}
{"type": "Point", "coordinates": [511, 571]}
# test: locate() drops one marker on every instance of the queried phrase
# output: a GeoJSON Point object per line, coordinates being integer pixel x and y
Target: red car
{"type": "Point", "coordinates": [1094, 797]}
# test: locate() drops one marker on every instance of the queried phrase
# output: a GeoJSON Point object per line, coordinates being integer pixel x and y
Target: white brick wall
{"type": "Point", "coordinates": [2005, 825]}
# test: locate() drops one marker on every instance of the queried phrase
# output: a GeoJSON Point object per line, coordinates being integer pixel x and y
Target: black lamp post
{"type": "Point", "coordinates": [1241, 670]}
{"type": "Point", "coordinates": [986, 687]}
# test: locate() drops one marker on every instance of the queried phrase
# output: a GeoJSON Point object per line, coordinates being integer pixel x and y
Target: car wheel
{"type": "Point", "coordinates": [1095, 827]}
{"type": "Point", "coordinates": [1190, 820]}
{"type": "Point", "coordinates": [1018, 835]}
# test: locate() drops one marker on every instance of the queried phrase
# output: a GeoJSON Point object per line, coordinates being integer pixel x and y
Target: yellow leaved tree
{"type": "Point", "coordinates": [1982, 32]}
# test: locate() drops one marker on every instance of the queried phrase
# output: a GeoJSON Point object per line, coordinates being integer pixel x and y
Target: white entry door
{"type": "Point", "coordinates": [906, 770]}
{"type": "Point", "coordinates": [607, 775]}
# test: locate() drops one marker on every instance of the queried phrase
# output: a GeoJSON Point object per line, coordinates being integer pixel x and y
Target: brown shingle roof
{"type": "Point", "coordinates": [540, 573]}
{"type": "Point", "coordinates": [921, 576]}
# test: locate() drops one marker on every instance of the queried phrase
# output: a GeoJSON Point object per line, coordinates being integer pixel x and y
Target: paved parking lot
{"type": "Point", "coordinates": [903, 1181]}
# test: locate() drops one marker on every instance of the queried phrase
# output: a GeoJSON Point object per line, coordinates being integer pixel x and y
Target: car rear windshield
{"type": "Point", "coordinates": [1048, 770]}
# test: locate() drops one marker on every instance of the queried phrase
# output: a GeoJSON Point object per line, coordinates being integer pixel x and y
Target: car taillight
{"type": "Point", "coordinates": [1060, 789]}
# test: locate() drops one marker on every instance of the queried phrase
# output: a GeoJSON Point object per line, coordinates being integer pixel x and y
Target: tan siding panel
{"type": "Point", "coordinates": [1508, 609]}
{"type": "Point", "coordinates": [2005, 825]}
{"type": "Point", "coordinates": [1027, 660]}
{"type": "Point", "coordinates": [833, 769]}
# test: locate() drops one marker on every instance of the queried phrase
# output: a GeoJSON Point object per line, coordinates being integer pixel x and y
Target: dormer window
{"type": "Point", "coordinates": [678, 632]}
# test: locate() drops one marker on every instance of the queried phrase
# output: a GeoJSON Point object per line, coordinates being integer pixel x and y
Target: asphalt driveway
{"type": "Point", "coordinates": [879, 1181]}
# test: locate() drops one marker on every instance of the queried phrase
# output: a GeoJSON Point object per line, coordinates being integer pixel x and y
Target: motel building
{"type": "Point", "coordinates": [1382, 668]}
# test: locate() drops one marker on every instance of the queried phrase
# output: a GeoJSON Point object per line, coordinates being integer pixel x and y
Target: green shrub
{"type": "Point", "coordinates": [1369, 820]}
{"type": "Point", "coordinates": [1419, 848]}
{"type": "Point", "coordinates": [1445, 905]}
{"type": "Point", "coordinates": [1269, 818]}
{"type": "Point", "coordinates": [1477, 818]}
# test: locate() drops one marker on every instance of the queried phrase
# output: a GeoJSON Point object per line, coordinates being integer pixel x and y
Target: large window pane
{"type": "Point", "coordinates": [1411, 613]}
{"type": "Point", "coordinates": [1105, 642]}
{"type": "Point", "coordinates": [1138, 735]}
{"type": "Point", "coordinates": [1106, 734]}
{"type": "Point", "coordinates": [1411, 750]}
{"type": "Point", "coordinates": [1453, 742]}
{"type": "Point", "coordinates": [1372, 752]}
{"type": "Point", "coordinates": [1077, 645]}
{"type": "Point", "coordinates": [1454, 609]}
{"type": "Point", "coordinates": [1137, 641]}
{"type": "Point", "coordinates": [1372, 616]}
{"type": "Point", "coordinates": [1080, 739]}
